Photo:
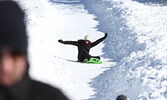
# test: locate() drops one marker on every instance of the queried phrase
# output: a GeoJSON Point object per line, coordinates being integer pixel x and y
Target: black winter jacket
{"type": "Point", "coordinates": [28, 89]}
{"type": "Point", "coordinates": [83, 48]}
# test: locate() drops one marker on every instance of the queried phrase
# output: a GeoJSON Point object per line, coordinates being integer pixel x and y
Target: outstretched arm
{"type": "Point", "coordinates": [98, 41]}
{"type": "Point", "coordinates": [68, 42]}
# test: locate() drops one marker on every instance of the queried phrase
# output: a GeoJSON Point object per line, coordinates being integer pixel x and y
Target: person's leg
{"type": "Point", "coordinates": [83, 59]}
{"type": "Point", "coordinates": [96, 57]}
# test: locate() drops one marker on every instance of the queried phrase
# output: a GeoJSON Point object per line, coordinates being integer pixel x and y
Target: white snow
{"type": "Point", "coordinates": [134, 53]}
{"type": "Point", "coordinates": [140, 73]}
{"type": "Point", "coordinates": [52, 62]}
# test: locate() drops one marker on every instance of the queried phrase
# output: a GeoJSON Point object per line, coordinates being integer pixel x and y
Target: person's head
{"type": "Point", "coordinates": [86, 38]}
{"type": "Point", "coordinates": [121, 97]}
{"type": "Point", "coordinates": [13, 43]}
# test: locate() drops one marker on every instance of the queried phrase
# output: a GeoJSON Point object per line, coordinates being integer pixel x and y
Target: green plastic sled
{"type": "Point", "coordinates": [92, 61]}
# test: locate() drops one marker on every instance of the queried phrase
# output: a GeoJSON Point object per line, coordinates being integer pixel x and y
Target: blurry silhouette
{"type": "Point", "coordinates": [15, 83]}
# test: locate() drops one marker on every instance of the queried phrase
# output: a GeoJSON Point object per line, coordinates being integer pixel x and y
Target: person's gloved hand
{"type": "Point", "coordinates": [105, 35]}
{"type": "Point", "coordinates": [61, 41]}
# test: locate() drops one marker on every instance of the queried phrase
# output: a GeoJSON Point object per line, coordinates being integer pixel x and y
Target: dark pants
{"type": "Point", "coordinates": [96, 57]}
{"type": "Point", "coordinates": [82, 59]}
{"type": "Point", "coordinates": [87, 59]}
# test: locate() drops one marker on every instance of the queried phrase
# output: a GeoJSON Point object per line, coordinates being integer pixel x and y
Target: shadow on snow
{"type": "Point", "coordinates": [71, 2]}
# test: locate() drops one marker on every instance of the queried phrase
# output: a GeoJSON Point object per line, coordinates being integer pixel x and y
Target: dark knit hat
{"type": "Point", "coordinates": [12, 26]}
{"type": "Point", "coordinates": [121, 97]}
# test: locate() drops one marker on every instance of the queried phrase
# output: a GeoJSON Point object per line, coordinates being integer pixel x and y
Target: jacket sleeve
{"type": "Point", "coordinates": [97, 41]}
{"type": "Point", "coordinates": [70, 42]}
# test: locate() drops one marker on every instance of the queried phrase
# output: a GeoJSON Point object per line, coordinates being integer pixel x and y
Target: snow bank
{"type": "Point", "coordinates": [55, 63]}
{"type": "Point", "coordinates": [137, 43]}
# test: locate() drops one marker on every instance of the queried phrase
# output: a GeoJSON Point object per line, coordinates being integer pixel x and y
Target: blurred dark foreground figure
{"type": "Point", "coordinates": [122, 97]}
{"type": "Point", "coordinates": [15, 83]}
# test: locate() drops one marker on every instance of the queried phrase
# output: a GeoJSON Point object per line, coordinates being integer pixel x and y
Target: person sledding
{"type": "Point", "coordinates": [84, 46]}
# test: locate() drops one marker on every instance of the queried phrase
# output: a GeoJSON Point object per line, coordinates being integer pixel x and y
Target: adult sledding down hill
{"type": "Point", "coordinates": [84, 47]}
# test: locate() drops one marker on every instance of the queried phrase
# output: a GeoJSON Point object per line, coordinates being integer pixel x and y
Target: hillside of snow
{"type": "Point", "coordinates": [134, 54]}
{"type": "Point", "coordinates": [55, 63]}
{"type": "Point", "coordinates": [137, 43]}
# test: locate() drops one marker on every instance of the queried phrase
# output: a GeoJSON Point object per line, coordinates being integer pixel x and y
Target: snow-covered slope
{"type": "Point", "coordinates": [137, 44]}
{"type": "Point", "coordinates": [134, 54]}
{"type": "Point", "coordinates": [55, 63]}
